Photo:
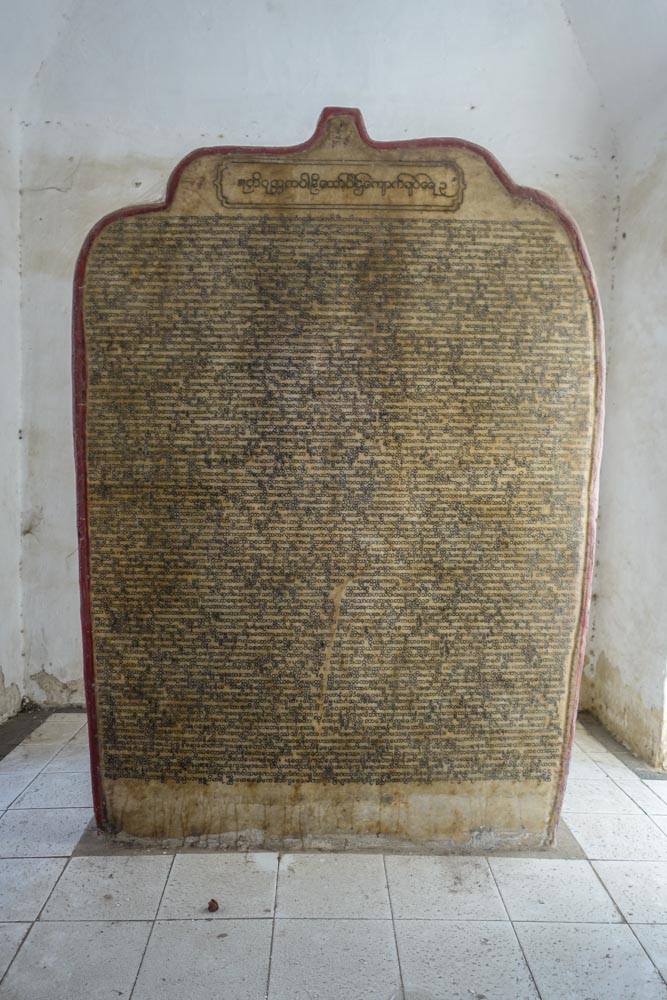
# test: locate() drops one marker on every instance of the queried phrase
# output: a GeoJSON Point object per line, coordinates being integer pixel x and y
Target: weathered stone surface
{"type": "Point", "coordinates": [337, 449]}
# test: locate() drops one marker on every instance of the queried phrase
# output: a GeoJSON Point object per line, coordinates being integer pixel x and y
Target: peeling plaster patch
{"type": "Point", "coordinates": [10, 699]}
{"type": "Point", "coordinates": [58, 692]}
{"type": "Point", "coordinates": [622, 711]}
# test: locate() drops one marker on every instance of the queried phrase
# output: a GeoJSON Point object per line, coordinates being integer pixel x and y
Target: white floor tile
{"type": "Point", "coordinates": [96, 961]}
{"type": "Point", "coordinates": [25, 884]}
{"type": "Point", "coordinates": [29, 758]}
{"type": "Point", "coordinates": [453, 961]}
{"type": "Point", "coordinates": [243, 885]}
{"type": "Point", "coordinates": [81, 739]}
{"type": "Point", "coordinates": [443, 888]}
{"type": "Point", "coordinates": [332, 885]}
{"type": "Point", "coordinates": [638, 887]}
{"type": "Point", "coordinates": [619, 838]}
{"type": "Point", "coordinates": [643, 796]}
{"type": "Point", "coordinates": [589, 962]}
{"type": "Point", "coordinates": [588, 742]}
{"type": "Point", "coordinates": [654, 939]}
{"type": "Point", "coordinates": [603, 796]}
{"type": "Point", "coordinates": [74, 756]}
{"type": "Point", "coordinates": [61, 726]}
{"type": "Point", "coordinates": [551, 889]}
{"type": "Point", "coordinates": [600, 754]}
{"type": "Point", "coordinates": [581, 767]}
{"type": "Point", "coordinates": [11, 936]}
{"type": "Point", "coordinates": [53, 791]}
{"type": "Point", "coordinates": [615, 768]}
{"type": "Point", "coordinates": [454, 937]}
{"type": "Point", "coordinates": [35, 833]}
{"type": "Point", "coordinates": [333, 960]}
{"type": "Point", "coordinates": [113, 888]}
{"type": "Point", "coordinates": [658, 788]}
{"type": "Point", "coordinates": [11, 786]}
{"type": "Point", "coordinates": [206, 960]}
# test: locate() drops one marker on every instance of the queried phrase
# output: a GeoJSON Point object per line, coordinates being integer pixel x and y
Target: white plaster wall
{"type": "Point", "coordinates": [627, 671]}
{"type": "Point", "coordinates": [625, 46]}
{"type": "Point", "coordinates": [126, 89]}
{"type": "Point", "coordinates": [28, 29]}
{"type": "Point", "coordinates": [11, 665]}
{"type": "Point", "coordinates": [624, 43]}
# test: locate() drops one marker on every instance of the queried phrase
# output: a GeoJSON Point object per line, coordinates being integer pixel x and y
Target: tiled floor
{"type": "Point", "coordinates": [590, 924]}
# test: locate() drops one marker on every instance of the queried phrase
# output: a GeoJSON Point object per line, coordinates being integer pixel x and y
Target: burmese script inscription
{"type": "Point", "coordinates": [340, 418]}
{"type": "Point", "coordinates": [320, 185]}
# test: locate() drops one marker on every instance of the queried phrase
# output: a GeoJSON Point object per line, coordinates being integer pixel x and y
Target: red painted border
{"type": "Point", "coordinates": [79, 379]}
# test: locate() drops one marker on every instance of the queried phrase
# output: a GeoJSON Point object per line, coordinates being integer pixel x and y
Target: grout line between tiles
{"type": "Point", "coordinates": [273, 927]}
{"type": "Point", "coordinates": [511, 923]}
{"type": "Point", "coordinates": [393, 926]}
{"type": "Point", "coordinates": [294, 920]}
{"type": "Point", "coordinates": [153, 922]}
{"type": "Point", "coordinates": [20, 945]}
{"type": "Point", "coordinates": [33, 857]}
{"type": "Point", "coordinates": [65, 771]}
{"type": "Point", "coordinates": [598, 812]}
{"type": "Point", "coordinates": [53, 888]}
{"type": "Point", "coordinates": [23, 940]}
{"type": "Point", "coordinates": [608, 892]}
{"type": "Point", "coordinates": [641, 944]}
{"type": "Point", "coordinates": [143, 920]}
{"type": "Point", "coordinates": [627, 860]}
{"type": "Point", "coordinates": [43, 808]}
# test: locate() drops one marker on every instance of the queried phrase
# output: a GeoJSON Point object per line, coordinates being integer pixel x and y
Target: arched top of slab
{"type": "Point", "coordinates": [209, 180]}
